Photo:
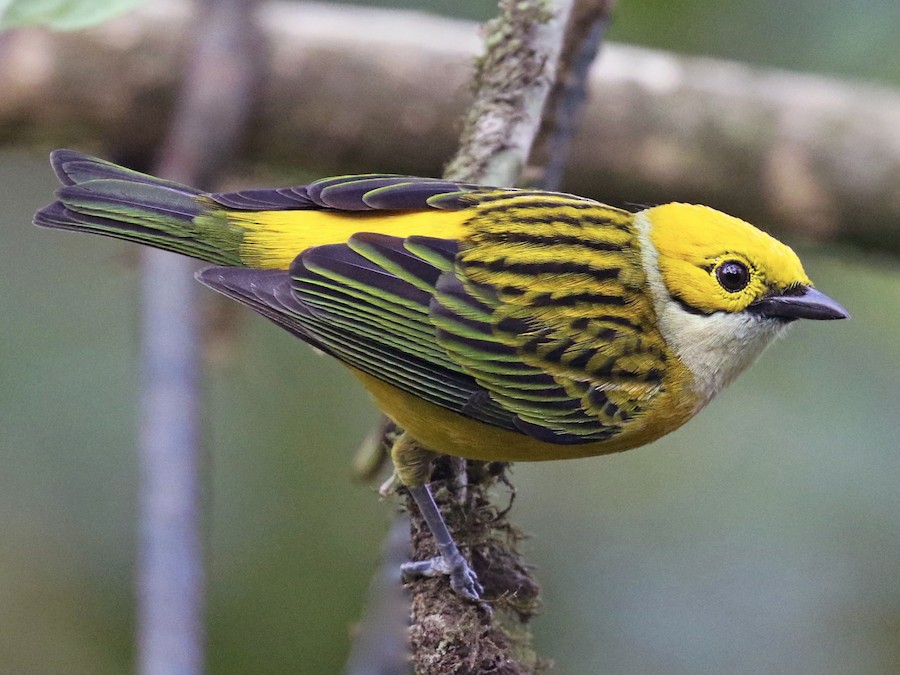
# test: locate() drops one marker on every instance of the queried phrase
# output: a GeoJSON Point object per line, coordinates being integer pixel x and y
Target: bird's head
{"type": "Point", "coordinates": [712, 262]}
{"type": "Point", "coordinates": [722, 288]}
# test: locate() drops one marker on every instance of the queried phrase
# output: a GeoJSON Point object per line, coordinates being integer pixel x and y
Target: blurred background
{"type": "Point", "coordinates": [763, 537]}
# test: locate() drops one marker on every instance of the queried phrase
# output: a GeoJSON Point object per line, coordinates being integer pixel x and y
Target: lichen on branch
{"type": "Point", "coordinates": [511, 83]}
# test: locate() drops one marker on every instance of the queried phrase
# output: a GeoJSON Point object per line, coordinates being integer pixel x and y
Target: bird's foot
{"type": "Point", "coordinates": [463, 579]}
{"type": "Point", "coordinates": [390, 486]}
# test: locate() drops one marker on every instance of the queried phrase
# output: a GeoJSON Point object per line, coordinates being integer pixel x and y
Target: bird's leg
{"type": "Point", "coordinates": [413, 465]}
{"type": "Point", "coordinates": [459, 471]}
{"type": "Point", "coordinates": [451, 562]}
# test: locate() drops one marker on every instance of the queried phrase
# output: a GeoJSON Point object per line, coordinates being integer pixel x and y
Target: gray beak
{"type": "Point", "coordinates": [803, 303]}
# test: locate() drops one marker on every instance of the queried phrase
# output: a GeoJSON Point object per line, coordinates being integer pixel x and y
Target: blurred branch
{"type": "Point", "coordinates": [381, 638]}
{"type": "Point", "coordinates": [806, 153]}
{"type": "Point", "coordinates": [209, 118]}
{"type": "Point", "coordinates": [564, 110]}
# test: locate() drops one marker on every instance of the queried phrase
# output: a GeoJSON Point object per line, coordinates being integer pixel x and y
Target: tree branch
{"type": "Point", "coordinates": [450, 634]}
{"type": "Point", "coordinates": [562, 117]}
{"type": "Point", "coordinates": [806, 153]}
{"type": "Point", "coordinates": [511, 86]}
{"type": "Point", "coordinates": [209, 119]}
{"type": "Point", "coordinates": [381, 638]}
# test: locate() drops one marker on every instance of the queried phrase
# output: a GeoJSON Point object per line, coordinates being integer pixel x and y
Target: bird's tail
{"type": "Point", "coordinates": [104, 198]}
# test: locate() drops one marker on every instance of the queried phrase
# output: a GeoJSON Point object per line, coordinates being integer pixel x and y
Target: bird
{"type": "Point", "coordinates": [488, 323]}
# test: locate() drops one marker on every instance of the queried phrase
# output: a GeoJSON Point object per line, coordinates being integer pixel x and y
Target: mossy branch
{"type": "Point", "coordinates": [511, 84]}
{"type": "Point", "coordinates": [450, 634]}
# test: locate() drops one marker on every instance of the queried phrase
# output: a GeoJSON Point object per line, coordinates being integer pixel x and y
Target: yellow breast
{"type": "Point", "coordinates": [451, 433]}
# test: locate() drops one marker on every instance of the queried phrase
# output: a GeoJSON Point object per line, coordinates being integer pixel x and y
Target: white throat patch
{"type": "Point", "coordinates": [717, 347]}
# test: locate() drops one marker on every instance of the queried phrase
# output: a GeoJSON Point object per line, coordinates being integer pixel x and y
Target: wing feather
{"type": "Point", "coordinates": [539, 332]}
{"type": "Point", "coordinates": [364, 192]}
{"type": "Point", "coordinates": [349, 307]}
{"type": "Point", "coordinates": [549, 290]}
{"type": "Point", "coordinates": [265, 199]}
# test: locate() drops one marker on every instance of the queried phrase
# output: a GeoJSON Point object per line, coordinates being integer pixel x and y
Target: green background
{"type": "Point", "coordinates": [763, 537]}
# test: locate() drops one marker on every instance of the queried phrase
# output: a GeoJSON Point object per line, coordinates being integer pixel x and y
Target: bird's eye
{"type": "Point", "coordinates": [733, 275]}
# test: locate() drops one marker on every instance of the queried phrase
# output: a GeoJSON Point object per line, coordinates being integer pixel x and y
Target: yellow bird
{"type": "Point", "coordinates": [488, 323]}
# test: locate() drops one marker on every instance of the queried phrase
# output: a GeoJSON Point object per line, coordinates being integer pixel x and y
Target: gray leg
{"type": "Point", "coordinates": [451, 562]}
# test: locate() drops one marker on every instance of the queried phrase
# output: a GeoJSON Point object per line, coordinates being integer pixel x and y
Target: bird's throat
{"type": "Point", "coordinates": [716, 347]}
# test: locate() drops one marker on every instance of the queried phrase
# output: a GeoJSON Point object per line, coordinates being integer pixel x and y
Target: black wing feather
{"type": "Point", "coordinates": [277, 199]}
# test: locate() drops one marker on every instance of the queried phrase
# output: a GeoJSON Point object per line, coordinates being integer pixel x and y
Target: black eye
{"type": "Point", "coordinates": [733, 275]}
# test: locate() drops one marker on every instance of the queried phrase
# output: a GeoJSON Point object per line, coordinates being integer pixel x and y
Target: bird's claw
{"type": "Point", "coordinates": [463, 579]}
{"type": "Point", "coordinates": [465, 582]}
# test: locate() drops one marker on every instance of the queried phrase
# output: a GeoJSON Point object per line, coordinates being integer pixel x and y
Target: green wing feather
{"type": "Point", "coordinates": [341, 302]}
{"type": "Point", "coordinates": [547, 310]}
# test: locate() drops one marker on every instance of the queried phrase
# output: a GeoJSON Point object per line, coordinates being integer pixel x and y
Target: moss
{"type": "Point", "coordinates": [450, 634]}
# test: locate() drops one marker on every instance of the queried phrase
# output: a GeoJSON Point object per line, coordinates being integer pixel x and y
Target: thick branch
{"type": "Point", "coordinates": [384, 90]}
{"type": "Point", "coordinates": [565, 104]}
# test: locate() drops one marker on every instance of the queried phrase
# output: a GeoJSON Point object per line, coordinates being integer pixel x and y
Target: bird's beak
{"type": "Point", "coordinates": [804, 302]}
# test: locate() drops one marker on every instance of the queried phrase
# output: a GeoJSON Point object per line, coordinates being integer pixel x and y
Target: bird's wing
{"type": "Point", "coordinates": [341, 302]}
{"type": "Point", "coordinates": [365, 192]}
{"type": "Point", "coordinates": [547, 309]}
{"type": "Point", "coordinates": [537, 320]}
{"type": "Point", "coordinates": [372, 303]}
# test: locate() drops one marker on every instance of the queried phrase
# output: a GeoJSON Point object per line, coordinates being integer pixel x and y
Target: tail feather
{"type": "Point", "coordinates": [103, 198]}
{"type": "Point", "coordinates": [57, 216]}
{"type": "Point", "coordinates": [132, 202]}
{"type": "Point", "coordinates": [74, 168]}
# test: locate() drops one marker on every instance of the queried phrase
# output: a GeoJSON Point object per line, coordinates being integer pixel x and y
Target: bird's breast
{"type": "Point", "coordinates": [451, 433]}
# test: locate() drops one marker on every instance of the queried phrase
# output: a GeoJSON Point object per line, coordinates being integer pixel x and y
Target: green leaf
{"type": "Point", "coordinates": [60, 14]}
